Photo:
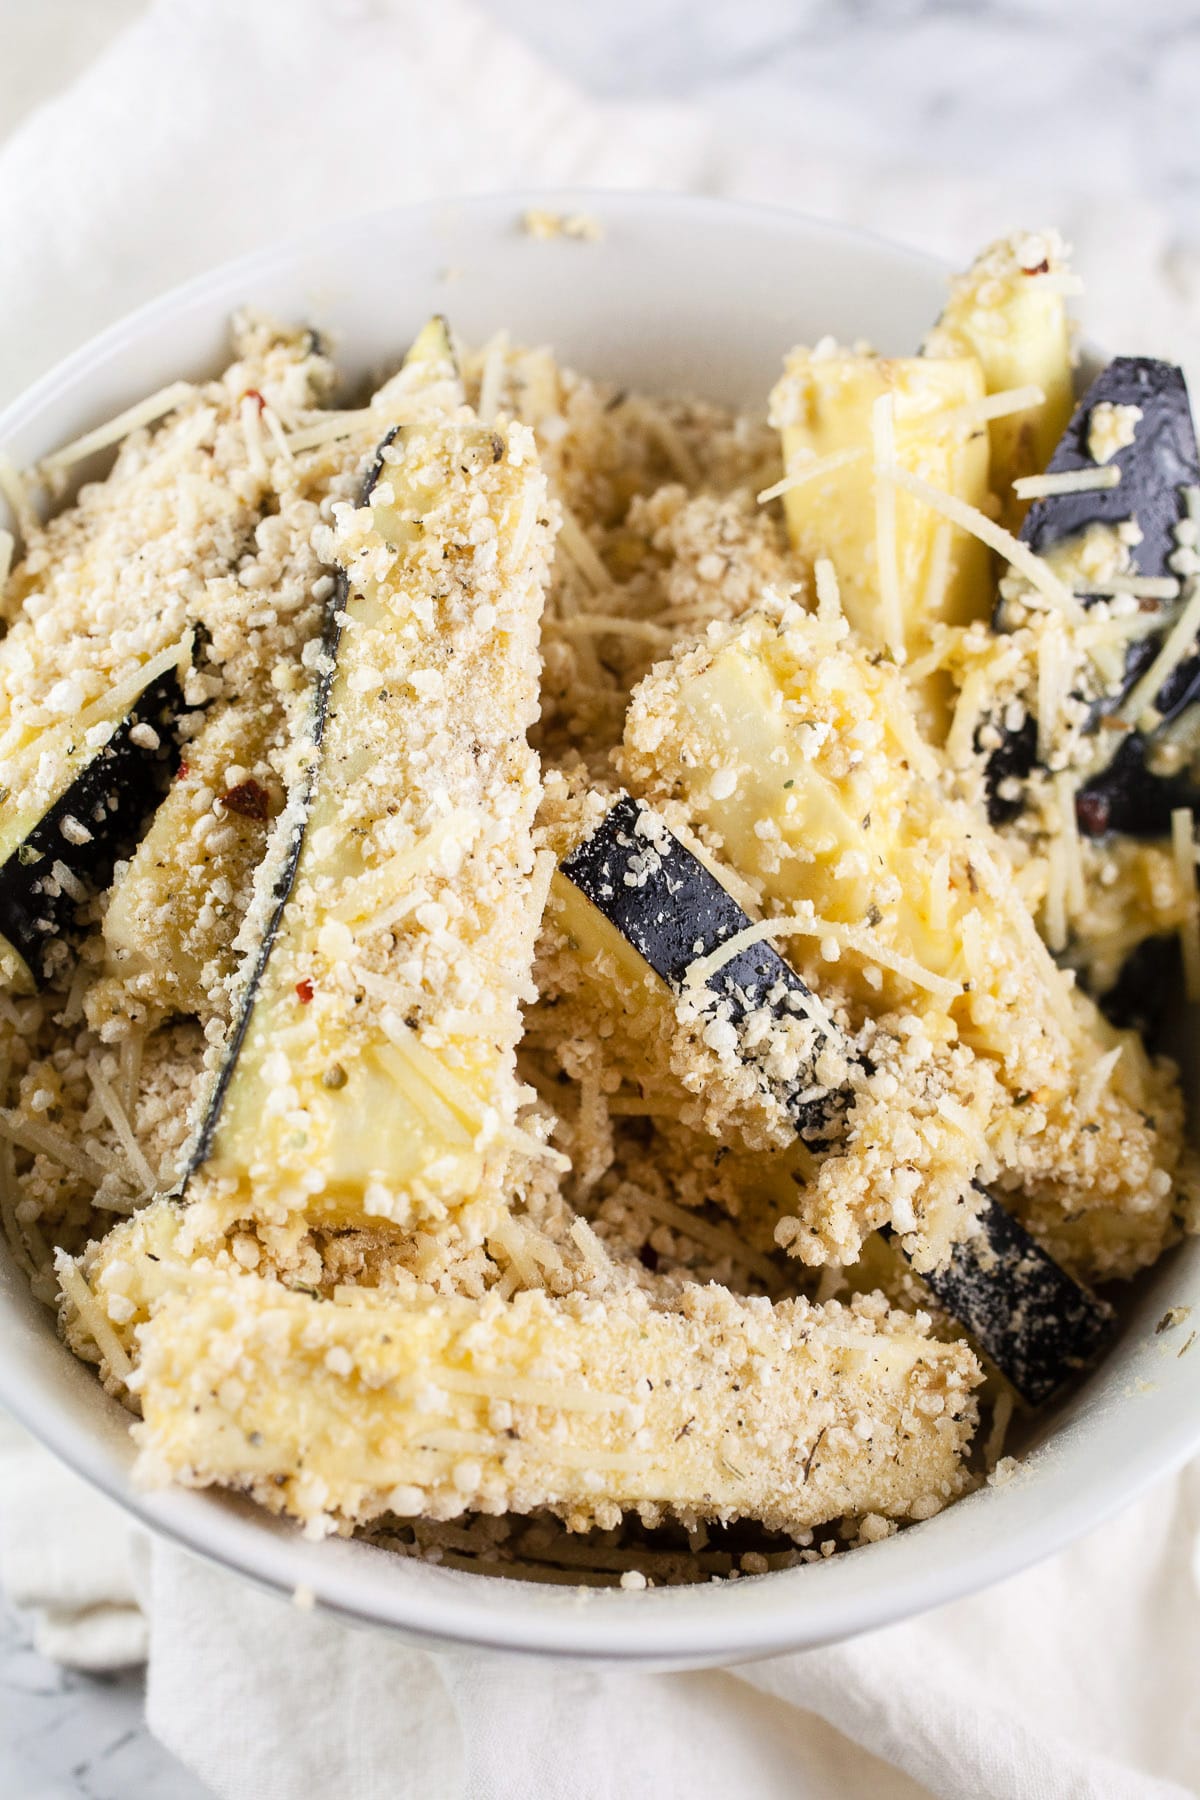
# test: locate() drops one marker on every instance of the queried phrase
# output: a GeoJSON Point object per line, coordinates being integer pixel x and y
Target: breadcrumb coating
{"type": "Point", "coordinates": [497, 1242]}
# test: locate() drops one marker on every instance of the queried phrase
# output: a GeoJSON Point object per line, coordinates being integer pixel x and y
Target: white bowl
{"type": "Point", "coordinates": [687, 295]}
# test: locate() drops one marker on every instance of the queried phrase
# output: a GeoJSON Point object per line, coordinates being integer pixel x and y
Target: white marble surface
{"type": "Point", "coordinates": [1092, 98]}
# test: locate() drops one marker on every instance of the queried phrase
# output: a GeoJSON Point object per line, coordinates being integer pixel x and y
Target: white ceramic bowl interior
{"type": "Point", "coordinates": [680, 295]}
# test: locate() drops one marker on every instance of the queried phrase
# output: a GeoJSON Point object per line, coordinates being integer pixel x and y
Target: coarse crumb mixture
{"type": "Point", "coordinates": [493, 1246]}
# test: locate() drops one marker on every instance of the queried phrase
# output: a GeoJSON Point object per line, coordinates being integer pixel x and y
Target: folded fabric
{"type": "Point", "coordinates": [1003, 1696]}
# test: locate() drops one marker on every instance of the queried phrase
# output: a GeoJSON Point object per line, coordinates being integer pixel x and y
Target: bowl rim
{"type": "Point", "coordinates": [660, 1627]}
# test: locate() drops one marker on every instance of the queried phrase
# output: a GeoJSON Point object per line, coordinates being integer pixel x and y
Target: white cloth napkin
{"type": "Point", "coordinates": [66, 1556]}
{"type": "Point", "coordinates": [1075, 1681]}
{"type": "Point", "coordinates": [215, 125]}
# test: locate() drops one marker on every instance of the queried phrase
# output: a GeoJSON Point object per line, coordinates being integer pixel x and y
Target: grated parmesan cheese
{"type": "Point", "coordinates": [15, 489]}
{"type": "Point", "coordinates": [1068, 481]}
{"type": "Point", "coordinates": [1141, 587]}
{"type": "Point", "coordinates": [959, 512]}
{"type": "Point", "coordinates": [91, 1316]}
{"type": "Point", "coordinates": [119, 1120]}
{"type": "Point", "coordinates": [812, 470]}
{"type": "Point", "coordinates": [145, 412]}
{"type": "Point", "coordinates": [716, 1238]}
{"type": "Point", "coordinates": [1002, 405]}
{"type": "Point", "coordinates": [1065, 789]}
{"type": "Point", "coordinates": [829, 597]}
{"type": "Point", "coordinates": [582, 552]}
{"type": "Point", "coordinates": [331, 427]}
{"type": "Point", "coordinates": [847, 937]}
{"type": "Point", "coordinates": [883, 444]}
{"type": "Point", "coordinates": [34, 1135]}
{"type": "Point", "coordinates": [604, 624]}
{"type": "Point", "coordinates": [495, 359]}
{"type": "Point", "coordinates": [1139, 702]}
{"type": "Point", "coordinates": [1111, 428]}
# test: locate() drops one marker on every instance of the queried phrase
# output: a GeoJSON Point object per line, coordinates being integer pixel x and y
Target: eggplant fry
{"type": "Point", "coordinates": [699, 1405]}
{"type": "Point", "coordinates": [1136, 417]}
{"type": "Point", "coordinates": [1037, 1325]}
{"type": "Point", "coordinates": [369, 1073]}
{"type": "Point", "coordinates": [108, 778]}
{"type": "Point", "coordinates": [551, 932]}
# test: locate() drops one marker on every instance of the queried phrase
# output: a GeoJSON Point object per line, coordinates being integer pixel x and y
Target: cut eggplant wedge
{"type": "Point", "coordinates": [371, 1070]}
{"type": "Point", "coordinates": [1157, 462]}
{"type": "Point", "coordinates": [1008, 311]}
{"type": "Point", "coordinates": [109, 770]}
{"type": "Point", "coordinates": [927, 572]}
{"type": "Point", "coordinates": [673, 911]}
{"type": "Point", "coordinates": [1035, 1323]}
{"type": "Point", "coordinates": [431, 358]}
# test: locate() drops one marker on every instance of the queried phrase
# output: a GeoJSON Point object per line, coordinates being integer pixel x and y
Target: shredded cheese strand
{"type": "Point", "coordinates": [848, 937]}
{"type": "Point", "coordinates": [120, 1122]}
{"type": "Point", "coordinates": [91, 1315]}
{"type": "Point", "coordinates": [499, 1385]}
{"type": "Point", "coordinates": [811, 471]}
{"type": "Point", "coordinates": [981, 412]}
{"type": "Point", "coordinates": [605, 624]}
{"type": "Point", "coordinates": [271, 420]}
{"type": "Point", "coordinates": [829, 593]}
{"type": "Point", "coordinates": [143, 412]}
{"type": "Point", "coordinates": [582, 552]}
{"type": "Point", "coordinates": [332, 426]}
{"type": "Point", "coordinates": [1095, 1081]}
{"type": "Point", "coordinates": [716, 1238]}
{"type": "Point", "coordinates": [44, 1140]}
{"type": "Point", "coordinates": [495, 357]}
{"type": "Point", "coordinates": [250, 420]}
{"type": "Point", "coordinates": [883, 443]}
{"type": "Point", "coordinates": [1140, 587]}
{"type": "Point", "coordinates": [586, 1241]}
{"type": "Point", "coordinates": [1139, 702]}
{"type": "Point", "coordinates": [1067, 481]}
{"type": "Point", "coordinates": [15, 489]}
{"type": "Point", "coordinates": [1038, 573]}
{"type": "Point", "coordinates": [670, 442]}
{"type": "Point", "coordinates": [1065, 787]}
{"type": "Point", "coordinates": [8, 1211]}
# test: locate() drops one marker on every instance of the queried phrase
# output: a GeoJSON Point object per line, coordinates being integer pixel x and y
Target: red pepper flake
{"type": "Point", "coordinates": [249, 799]}
{"type": "Point", "coordinates": [305, 991]}
{"type": "Point", "coordinates": [253, 394]}
{"type": "Point", "coordinates": [182, 773]}
{"type": "Point", "coordinates": [1092, 811]}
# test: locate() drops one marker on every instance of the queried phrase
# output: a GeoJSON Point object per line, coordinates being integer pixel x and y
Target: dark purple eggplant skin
{"type": "Point", "coordinates": [674, 911]}
{"type": "Point", "coordinates": [1162, 460]}
{"type": "Point", "coordinates": [1015, 759]}
{"type": "Point", "coordinates": [113, 795]}
{"type": "Point", "coordinates": [1140, 998]}
{"type": "Point", "coordinates": [335, 613]}
{"type": "Point", "coordinates": [1038, 1325]}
